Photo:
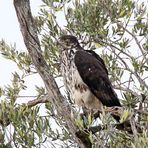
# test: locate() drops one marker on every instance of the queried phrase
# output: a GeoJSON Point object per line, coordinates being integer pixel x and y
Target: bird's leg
{"type": "Point", "coordinates": [94, 113]}
{"type": "Point", "coordinates": [97, 114]}
{"type": "Point", "coordinates": [85, 113]}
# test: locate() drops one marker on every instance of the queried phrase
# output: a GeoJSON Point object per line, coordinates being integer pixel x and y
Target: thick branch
{"type": "Point", "coordinates": [32, 43]}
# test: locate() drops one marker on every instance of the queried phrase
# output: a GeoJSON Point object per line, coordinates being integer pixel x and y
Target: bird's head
{"type": "Point", "coordinates": [68, 42]}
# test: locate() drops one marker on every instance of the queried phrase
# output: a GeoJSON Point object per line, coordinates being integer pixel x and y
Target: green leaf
{"type": "Point", "coordinates": [133, 146]}
{"type": "Point", "coordinates": [124, 116]}
{"type": "Point", "coordinates": [89, 119]}
{"type": "Point", "coordinates": [79, 123]}
{"type": "Point", "coordinates": [1, 91]}
{"type": "Point", "coordinates": [122, 13]}
{"type": "Point", "coordinates": [97, 45]}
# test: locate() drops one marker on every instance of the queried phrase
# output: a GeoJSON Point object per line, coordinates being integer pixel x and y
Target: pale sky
{"type": "Point", "coordinates": [10, 32]}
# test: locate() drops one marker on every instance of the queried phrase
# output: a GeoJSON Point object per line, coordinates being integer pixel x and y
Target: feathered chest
{"type": "Point", "coordinates": [72, 80]}
{"type": "Point", "coordinates": [71, 77]}
{"type": "Point", "coordinates": [69, 70]}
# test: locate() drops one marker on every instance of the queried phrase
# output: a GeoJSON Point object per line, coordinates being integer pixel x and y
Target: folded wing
{"type": "Point", "coordinates": [95, 75]}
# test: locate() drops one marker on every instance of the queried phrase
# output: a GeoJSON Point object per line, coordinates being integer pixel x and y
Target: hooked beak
{"type": "Point", "coordinates": [59, 41]}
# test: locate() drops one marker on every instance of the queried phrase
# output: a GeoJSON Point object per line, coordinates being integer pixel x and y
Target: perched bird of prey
{"type": "Point", "coordinates": [85, 76]}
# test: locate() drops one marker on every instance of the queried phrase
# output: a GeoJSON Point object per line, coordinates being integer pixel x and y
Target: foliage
{"type": "Point", "coordinates": [117, 30]}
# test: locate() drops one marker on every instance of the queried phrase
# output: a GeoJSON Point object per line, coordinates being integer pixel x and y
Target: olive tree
{"type": "Point", "coordinates": [117, 30]}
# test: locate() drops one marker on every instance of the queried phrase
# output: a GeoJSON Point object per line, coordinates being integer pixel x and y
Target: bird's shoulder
{"type": "Point", "coordinates": [89, 59]}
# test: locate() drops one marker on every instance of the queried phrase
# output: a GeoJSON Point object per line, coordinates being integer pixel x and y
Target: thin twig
{"type": "Point", "coordinates": [141, 112]}
{"type": "Point", "coordinates": [133, 127]}
{"type": "Point", "coordinates": [128, 90]}
{"type": "Point", "coordinates": [137, 42]}
{"type": "Point", "coordinates": [43, 99]}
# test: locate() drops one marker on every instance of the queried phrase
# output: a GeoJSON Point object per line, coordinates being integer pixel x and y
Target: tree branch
{"type": "Point", "coordinates": [137, 42]}
{"type": "Point", "coordinates": [95, 129]}
{"type": "Point", "coordinates": [43, 99]}
{"type": "Point", "coordinates": [141, 112]}
{"type": "Point", "coordinates": [29, 32]}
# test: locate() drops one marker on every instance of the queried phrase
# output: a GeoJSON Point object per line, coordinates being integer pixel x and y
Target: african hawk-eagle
{"type": "Point", "coordinates": [85, 76]}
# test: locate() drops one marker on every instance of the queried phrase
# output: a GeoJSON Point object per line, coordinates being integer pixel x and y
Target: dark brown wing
{"type": "Point", "coordinates": [94, 73]}
{"type": "Point", "coordinates": [98, 58]}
